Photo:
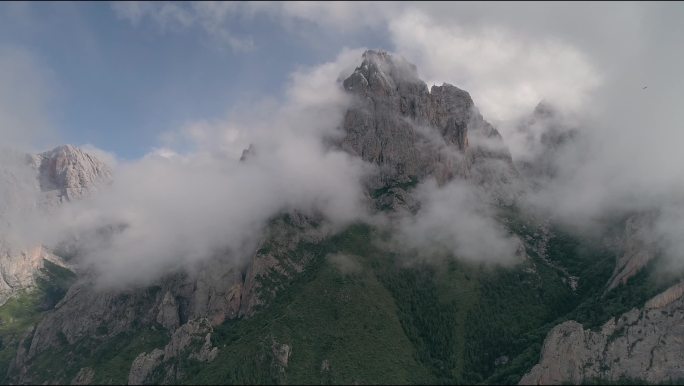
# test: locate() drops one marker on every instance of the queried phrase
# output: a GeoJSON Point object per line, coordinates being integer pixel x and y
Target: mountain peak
{"type": "Point", "coordinates": [384, 61]}
{"type": "Point", "coordinates": [382, 73]}
{"type": "Point", "coordinates": [411, 132]}
{"type": "Point", "coordinates": [69, 172]}
{"type": "Point", "coordinates": [66, 148]}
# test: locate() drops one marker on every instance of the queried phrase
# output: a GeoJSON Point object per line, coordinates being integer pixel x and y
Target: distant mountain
{"type": "Point", "coordinates": [314, 304]}
{"type": "Point", "coordinates": [68, 173]}
{"type": "Point", "coordinates": [41, 182]}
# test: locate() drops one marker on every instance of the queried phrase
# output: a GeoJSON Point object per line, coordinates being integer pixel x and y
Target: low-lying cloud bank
{"type": "Point", "coordinates": [171, 209]}
{"type": "Point", "coordinates": [178, 208]}
{"type": "Point", "coordinates": [455, 220]}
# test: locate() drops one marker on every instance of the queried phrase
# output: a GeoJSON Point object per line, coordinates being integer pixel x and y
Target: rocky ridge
{"type": "Point", "coordinates": [643, 345]}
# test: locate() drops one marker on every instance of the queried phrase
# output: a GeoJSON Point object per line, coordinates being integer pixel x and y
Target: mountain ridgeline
{"type": "Point", "coordinates": [312, 305]}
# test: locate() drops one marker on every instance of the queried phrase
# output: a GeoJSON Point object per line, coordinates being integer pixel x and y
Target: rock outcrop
{"type": "Point", "coordinates": [85, 376]}
{"type": "Point", "coordinates": [637, 246]}
{"type": "Point", "coordinates": [219, 289]}
{"type": "Point", "coordinates": [411, 132]}
{"type": "Point", "coordinates": [194, 336]}
{"type": "Point", "coordinates": [640, 345]}
{"type": "Point", "coordinates": [19, 270]}
{"type": "Point", "coordinates": [31, 186]}
{"type": "Point", "coordinates": [68, 173]}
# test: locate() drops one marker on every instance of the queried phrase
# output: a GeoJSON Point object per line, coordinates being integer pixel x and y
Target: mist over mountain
{"type": "Point", "coordinates": [419, 165]}
{"type": "Point", "coordinates": [479, 204]}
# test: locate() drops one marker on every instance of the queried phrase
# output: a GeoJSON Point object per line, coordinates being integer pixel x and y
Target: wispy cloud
{"type": "Point", "coordinates": [211, 17]}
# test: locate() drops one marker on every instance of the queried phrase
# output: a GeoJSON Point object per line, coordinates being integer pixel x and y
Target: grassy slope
{"type": "Point", "coordinates": [19, 314]}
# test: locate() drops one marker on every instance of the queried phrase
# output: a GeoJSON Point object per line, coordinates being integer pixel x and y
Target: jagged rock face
{"type": "Point", "coordinates": [219, 290]}
{"type": "Point", "coordinates": [191, 334]}
{"type": "Point", "coordinates": [408, 131]}
{"type": "Point", "coordinates": [19, 270]}
{"type": "Point", "coordinates": [35, 184]}
{"type": "Point", "coordinates": [642, 344]}
{"type": "Point", "coordinates": [67, 173]}
{"type": "Point", "coordinates": [275, 256]}
{"type": "Point", "coordinates": [87, 312]}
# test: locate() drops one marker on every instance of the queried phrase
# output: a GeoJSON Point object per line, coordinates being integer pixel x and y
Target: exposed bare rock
{"type": "Point", "coordinates": [284, 235]}
{"type": "Point", "coordinates": [85, 310]}
{"type": "Point", "coordinates": [397, 197]}
{"type": "Point", "coordinates": [281, 353]}
{"type": "Point", "coordinates": [168, 312]}
{"type": "Point", "coordinates": [207, 352]}
{"type": "Point", "coordinates": [31, 186]}
{"type": "Point", "coordinates": [214, 291]}
{"type": "Point", "coordinates": [186, 338]}
{"type": "Point", "coordinates": [84, 376]}
{"type": "Point", "coordinates": [665, 298]}
{"type": "Point", "coordinates": [411, 132]}
{"type": "Point", "coordinates": [20, 269]}
{"type": "Point", "coordinates": [67, 173]}
{"type": "Point", "coordinates": [643, 344]}
{"type": "Point", "coordinates": [143, 365]}
{"type": "Point", "coordinates": [638, 247]}
{"type": "Point", "coordinates": [191, 332]}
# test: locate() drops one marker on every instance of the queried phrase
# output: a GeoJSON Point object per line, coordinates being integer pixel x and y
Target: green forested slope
{"type": "Point", "coordinates": [396, 321]}
{"type": "Point", "coordinates": [385, 317]}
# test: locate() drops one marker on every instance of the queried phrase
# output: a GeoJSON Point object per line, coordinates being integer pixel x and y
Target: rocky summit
{"type": "Point", "coordinates": [68, 173]}
{"type": "Point", "coordinates": [315, 303]}
{"type": "Point", "coordinates": [411, 132]}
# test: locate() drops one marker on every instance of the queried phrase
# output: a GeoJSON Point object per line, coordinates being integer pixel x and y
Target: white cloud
{"type": "Point", "coordinates": [210, 17]}
{"type": "Point", "coordinates": [506, 74]}
{"type": "Point", "coordinates": [176, 208]}
{"type": "Point", "coordinates": [454, 219]}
